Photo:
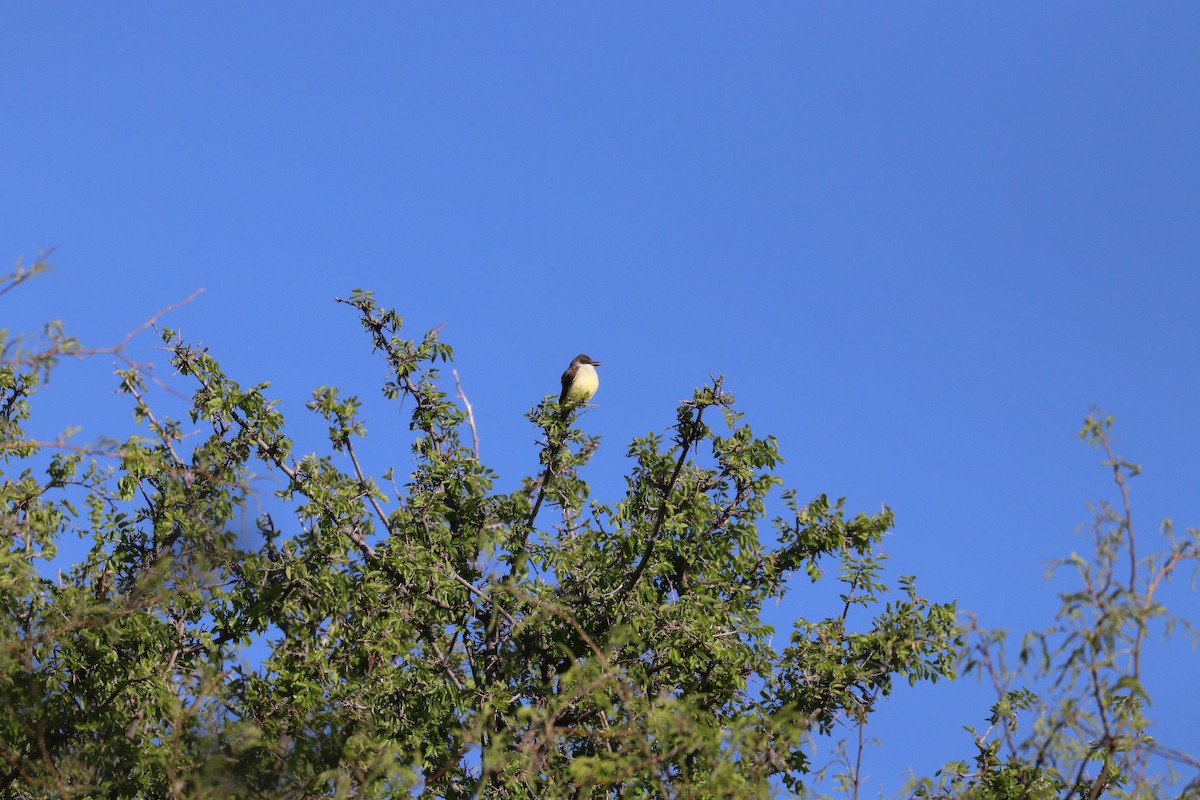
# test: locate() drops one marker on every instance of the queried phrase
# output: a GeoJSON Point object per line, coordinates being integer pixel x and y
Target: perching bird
{"type": "Point", "coordinates": [580, 381]}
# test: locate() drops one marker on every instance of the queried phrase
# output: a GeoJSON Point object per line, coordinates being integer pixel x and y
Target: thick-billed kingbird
{"type": "Point", "coordinates": [580, 381]}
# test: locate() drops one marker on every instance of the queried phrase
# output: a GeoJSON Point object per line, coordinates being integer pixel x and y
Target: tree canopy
{"type": "Point", "coordinates": [418, 631]}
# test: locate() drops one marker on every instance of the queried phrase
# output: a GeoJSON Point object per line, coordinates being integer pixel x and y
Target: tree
{"type": "Point", "coordinates": [1089, 735]}
{"type": "Point", "coordinates": [424, 633]}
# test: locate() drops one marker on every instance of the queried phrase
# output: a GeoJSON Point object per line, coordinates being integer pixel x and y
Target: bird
{"type": "Point", "coordinates": [580, 381]}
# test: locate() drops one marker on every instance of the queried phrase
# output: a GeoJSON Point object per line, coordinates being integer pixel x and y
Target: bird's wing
{"type": "Point", "coordinates": [568, 378]}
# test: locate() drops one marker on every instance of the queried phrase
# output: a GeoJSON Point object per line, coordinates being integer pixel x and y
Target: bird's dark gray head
{"type": "Point", "coordinates": [584, 359]}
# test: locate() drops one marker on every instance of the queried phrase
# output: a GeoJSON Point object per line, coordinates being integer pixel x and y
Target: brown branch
{"type": "Point", "coordinates": [47, 760]}
{"type": "Point", "coordinates": [362, 481]}
{"type": "Point", "coordinates": [555, 449]}
{"type": "Point", "coordinates": [687, 443]}
{"type": "Point", "coordinates": [862, 728]}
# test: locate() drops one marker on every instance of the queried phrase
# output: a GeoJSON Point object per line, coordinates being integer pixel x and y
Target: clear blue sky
{"type": "Point", "coordinates": [920, 240]}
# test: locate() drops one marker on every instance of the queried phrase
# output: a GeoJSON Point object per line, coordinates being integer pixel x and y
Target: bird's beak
{"type": "Point", "coordinates": [596, 364]}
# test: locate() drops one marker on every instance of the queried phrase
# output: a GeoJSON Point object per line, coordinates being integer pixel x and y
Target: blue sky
{"type": "Point", "coordinates": [920, 240]}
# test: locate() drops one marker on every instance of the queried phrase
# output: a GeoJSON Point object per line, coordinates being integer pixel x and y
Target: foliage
{"type": "Point", "coordinates": [433, 635]}
{"type": "Point", "coordinates": [1089, 734]}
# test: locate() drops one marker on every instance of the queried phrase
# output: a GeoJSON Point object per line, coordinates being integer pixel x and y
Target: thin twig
{"type": "Point", "coordinates": [119, 349]}
{"type": "Point", "coordinates": [22, 274]}
{"type": "Point", "coordinates": [862, 727]}
{"type": "Point", "coordinates": [153, 319]}
{"type": "Point", "coordinates": [470, 414]}
{"type": "Point", "coordinates": [1127, 520]}
{"type": "Point", "coordinates": [366, 485]}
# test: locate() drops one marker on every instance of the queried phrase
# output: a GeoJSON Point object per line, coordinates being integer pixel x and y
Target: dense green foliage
{"type": "Point", "coordinates": [425, 633]}
{"type": "Point", "coordinates": [417, 631]}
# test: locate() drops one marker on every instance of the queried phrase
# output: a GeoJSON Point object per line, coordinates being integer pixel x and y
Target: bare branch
{"type": "Point", "coordinates": [22, 274]}
{"type": "Point", "coordinates": [470, 414]}
{"type": "Point", "coordinates": [117, 350]}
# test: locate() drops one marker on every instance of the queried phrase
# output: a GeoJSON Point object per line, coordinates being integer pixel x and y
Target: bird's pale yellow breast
{"type": "Point", "coordinates": [585, 384]}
